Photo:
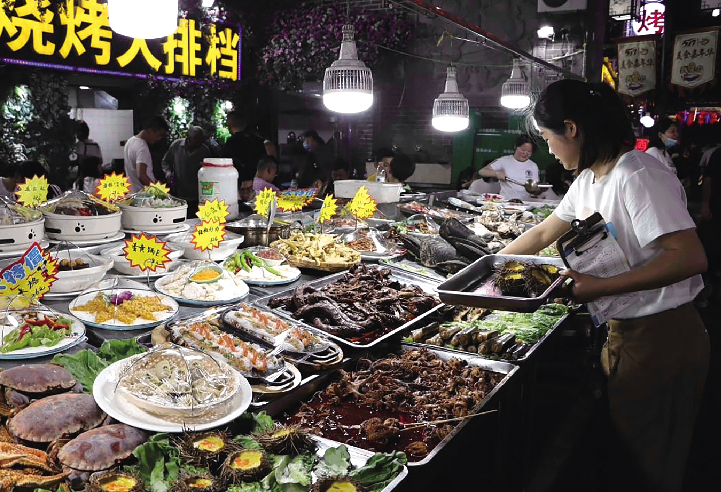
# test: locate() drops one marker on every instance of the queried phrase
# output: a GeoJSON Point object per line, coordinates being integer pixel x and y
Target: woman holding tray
{"type": "Point", "coordinates": [657, 353]}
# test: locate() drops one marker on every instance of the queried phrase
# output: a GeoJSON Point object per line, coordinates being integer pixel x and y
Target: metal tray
{"type": "Point", "coordinates": [400, 275]}
{"type": "Point", "coordinates": [522, 360]}
{"type": "Point", "coordinates": [319, 383]}
{"type": "Point", "coordinates": [455, 289]}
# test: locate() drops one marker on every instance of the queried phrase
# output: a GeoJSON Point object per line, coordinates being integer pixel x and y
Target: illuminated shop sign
{"type": "Point", "coordinates": [79, 38]}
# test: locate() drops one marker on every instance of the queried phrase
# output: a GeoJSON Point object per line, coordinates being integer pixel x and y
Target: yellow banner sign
{"type": "Point", "coordinates": [112, 187]}
{"type": "Point", "coordinates": [208, 235]}
{"type": "Point", "coordinates": [328, 210]}
{"type": "Point", "coordinates": [146, 252]}
{"type": "Point", "coordinates": [31, 276]}
{"type": "Point", "coordinates": [263, 201]}
{"type": "Point", "coordinates": [291, 200]}
{"type": "Point", "coordinates": [362, 205]}
{"type": "Point", "coordinates": [213, 211]}
{"type": "Point", "coordinates": [33, 191]}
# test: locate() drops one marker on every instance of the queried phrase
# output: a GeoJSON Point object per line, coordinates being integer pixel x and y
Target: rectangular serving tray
{"type": "Point", "coordinates": [400, 275]}
{"type": "Point", "coordinates": [457, 290]}
{"type": "Point", "coordinates": [287, 402]}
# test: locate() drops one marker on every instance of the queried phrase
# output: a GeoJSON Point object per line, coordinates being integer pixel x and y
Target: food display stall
{"type": "Point", "coordinates": [325, 358]}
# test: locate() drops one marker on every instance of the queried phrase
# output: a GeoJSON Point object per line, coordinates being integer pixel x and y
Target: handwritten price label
{"type": "Point", "coordinates": [362, 205]}
{"type": "Point", "coordinates": [146, 252]}
{"type": "Point", "coordinates": [208, 235]}
{"type": "Point", "coordinates": [30, 276]}
{"type": "Point", "coordinates": [291, 200]}
{"type": "Point", "coordinates": [213, 211]}
{"type": "Point", "coordinates": [112, 187]}
{"type": "Point", "coordinates": [329, 208]}
{"type": "Point", "coordinates": [263, 201]}
{"type": "Point", "coordinates": [160, 187]}
{"type": "Point", "coordinates": [33, 191]}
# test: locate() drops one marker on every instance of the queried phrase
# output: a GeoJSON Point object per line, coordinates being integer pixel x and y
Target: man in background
{"type": "Point", "coordinates": [243, 146]}
{"type": "Point", "coordinates": [181, 164]}
{"type": "Point", "coordinates": [265, 174]}
{"type": "Point", "coordinates": [138, 161]}
{"type": "Point", "coordinates": [322, 153]}
{"type": "Point", "coordinates": [383, 159]}
{"type": "Point", "coordinates": [85, 146]}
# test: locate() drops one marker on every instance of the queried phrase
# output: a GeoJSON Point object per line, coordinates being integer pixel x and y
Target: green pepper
{"type": "Point", "coordinates": [271, 270]}
{"type": "Point", "coordinates": [245, 261]}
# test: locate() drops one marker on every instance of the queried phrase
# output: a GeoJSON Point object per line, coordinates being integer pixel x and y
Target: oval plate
{"type": "Point", "coordinates": [121, 410]}
{"type": "Point", "coordinates": [139, 324]}
{"type": "Point", "coordinates": [195, 302]}
{"type": "Point", "coordinates": [272, 282]}
{"type": "Point", "coordinates": [77, 335]}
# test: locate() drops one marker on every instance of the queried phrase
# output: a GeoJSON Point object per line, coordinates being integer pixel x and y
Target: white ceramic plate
{"type": "Point", "coordinates": [165, 230]}
{"type": "Point", "coordinates": [243, 292]}
{"type": "Point", "coordinates": [19, 252]}
{"type": "Point", "coordinates": [89, 318]}
{"type": "Point", "coordinates": [115, 405]}
{"type": "Point", "coordinates": [92, 242]}
{"type": "Point", "coordinates": [282, 281]}
{"type": "Point", "coordinates": [77, 335]}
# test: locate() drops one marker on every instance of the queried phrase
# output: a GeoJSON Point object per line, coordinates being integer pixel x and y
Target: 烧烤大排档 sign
{"type": "Point", "coordinates": [78, 37]}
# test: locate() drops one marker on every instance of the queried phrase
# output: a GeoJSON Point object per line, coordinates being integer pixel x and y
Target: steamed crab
{"type": "Point", "coordinates": [25, 383]}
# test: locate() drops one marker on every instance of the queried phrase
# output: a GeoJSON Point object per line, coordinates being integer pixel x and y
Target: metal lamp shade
{"type": "Point", "coordinates": [516, 91]}
{"type": "Point", "coordinates": [143, 19]}
{"type": "Point", "coordinates": [348, 83]}
{"type": "Point", "coordinates": [450, 109]}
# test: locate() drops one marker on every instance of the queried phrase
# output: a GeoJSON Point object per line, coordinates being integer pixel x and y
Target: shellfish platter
{"type": "Point", "coordinates": [36, 333]}
{"type": "Point", "coordinates": [203, 284]}
{"type": "Point", "coordinates": [116, 309]}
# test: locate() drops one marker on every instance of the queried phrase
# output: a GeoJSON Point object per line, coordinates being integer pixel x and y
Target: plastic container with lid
{"type": "Point", "coordinates": [218, 179]}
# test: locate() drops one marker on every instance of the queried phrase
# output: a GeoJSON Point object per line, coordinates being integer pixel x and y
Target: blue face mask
{"type": "Point", "coordinates": [306, 145]}
{"type": "Point", "coordinates": [669, 142]}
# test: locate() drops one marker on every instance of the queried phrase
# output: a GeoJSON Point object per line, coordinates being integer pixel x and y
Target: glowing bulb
{"type": "Point", "coordinates": [647, 121]}
{"type": "Point", "coordinates": [84, 88]}
{"type": "Point", "coordinates": [208, 3]}
{"type": "Point", "coordinates": [545, 32]}
{"type": "Point", "coordinates": [715, 12]}
{"type": "Point", "coordinates": [515, 102]}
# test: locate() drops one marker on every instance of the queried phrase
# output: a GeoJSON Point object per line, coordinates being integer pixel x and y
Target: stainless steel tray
{"type": "Point", "coordinates": [319, 383]}
{"type": "Point", "coordinates": [400, 275]}
{"type": "Point", "coordinates": [456, 289]}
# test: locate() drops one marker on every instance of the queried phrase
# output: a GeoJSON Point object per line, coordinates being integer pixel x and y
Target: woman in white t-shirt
{"type": "Point", "coordinates": [517, 166]}
{"type": "Point", "coordinates": [664, 136]}
{"type": "Point", "coordinates": [657, 353]}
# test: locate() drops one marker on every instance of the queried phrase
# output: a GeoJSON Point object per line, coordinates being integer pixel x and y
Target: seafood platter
{"type": "Point", "coordinates": [203, 284]}
{"type": "Point", "coordinates": [372, 244]}
{"type": "Point", "coordinates": [152, 210]}
{"type": "Point", "coordinates": [416, 207]}
{"type": "Point", "coordinates": [317, 251]}
{"type": "Point", "coordinates": [79, 216]}
{"type": "Point", "coordinates": [19, 227]}
{"type": "Point", "coordinates": [37, 332]}
{"type": "Point", "coordinates": [123, 309]}
{"type": "Point", "coordinates": [261, 266]}
{"type": "Point", "coordinates": [505, 282]}
{"type": "Point", "coordinates": [358, 308]}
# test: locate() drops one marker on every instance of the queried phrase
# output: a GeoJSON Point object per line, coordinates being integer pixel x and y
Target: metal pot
{"type": "Point", "coordinates": [255, 231]}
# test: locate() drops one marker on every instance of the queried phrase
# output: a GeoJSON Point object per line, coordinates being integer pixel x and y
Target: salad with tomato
{"type": "Point", "coordinates": [37, 329]}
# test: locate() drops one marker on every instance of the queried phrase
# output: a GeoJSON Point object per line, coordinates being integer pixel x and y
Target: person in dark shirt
{"type": "Point", "coordinates": [321, 152]}
{"type": "Point", "coordinates": [244, 147]}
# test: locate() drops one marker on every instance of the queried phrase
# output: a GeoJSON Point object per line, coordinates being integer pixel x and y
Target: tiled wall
{"type": "Point", "coordinates": [108, 128]}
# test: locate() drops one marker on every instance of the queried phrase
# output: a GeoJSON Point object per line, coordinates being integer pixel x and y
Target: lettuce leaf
{"type": "Point", "coordinates": [158, 463]}
{"type": "Point", "coordinates": [295, 470]}
{"type": "Point", "coordinates": [335, 461]}
{"type": "Point", "coordinates": [380, 470]}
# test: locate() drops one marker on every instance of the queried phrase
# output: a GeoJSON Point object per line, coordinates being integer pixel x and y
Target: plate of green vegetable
{"type": "Point", "coordinates": [36, 333]}
{"type": "Point", "coordinates": [253, 269]}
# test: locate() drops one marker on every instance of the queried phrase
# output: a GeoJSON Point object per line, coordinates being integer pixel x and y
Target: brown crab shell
{"type": "Point", "coordinates": [55, 416]}
{"type": "Point", "coordinates": [101, 448]}
{"type": "Point", "coordinates": [37, 379]}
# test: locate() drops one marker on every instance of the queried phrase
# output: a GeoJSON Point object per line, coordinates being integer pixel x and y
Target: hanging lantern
{"type": "Point", "coordinates": [143, 19]}
{"type": "Point", "coordinates": [348, 83]}
{"type": "Point", "coordinates": [516, 91]}
{"type": "Point", "coordinates": [450, 109]}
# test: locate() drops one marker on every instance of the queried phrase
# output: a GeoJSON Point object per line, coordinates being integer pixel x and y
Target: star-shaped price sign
{"type": "Point", "coordinates": [30, 276]}
{"type": "Point", "coordinates": [362, 205]}
{"type": "Point", "coordinates": [112, 187]}
{"type": "Point", "coordinates": [213, 211]}
{"type": "Point", "coordinates": [33, 191]}
{"type": "Point", "coordinates": [329, 208]}
{"type": "Point", "coordinates": [208, 235]}
{"type": "Point", "coordinates": [263, 201]}
{"type": "Point", "coordinates": [146, 252]}
{"type": "Point", "coordinates": [292, 200]}
{"type": "Point", "coordinates": [160, 186]}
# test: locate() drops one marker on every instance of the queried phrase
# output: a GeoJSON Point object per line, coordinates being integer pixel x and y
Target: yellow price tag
{"type": "Point", "coordinates": [160, 186]}
{"type": "Point", "coordinates": [112, 187]}
{"type": "Point", "coordinates": [263, 201]}
{"type": "Point", "coordinates": [208, 235]}
{"type": "Point", "coordinates": [292, 200]}
{"type": "Point", "coordinates": [30, 276]}
{"type": "Point", "coordinates": [362, 205]}
{"type": "Point", "coordinates": [146, 252]}
{"type": "Point", "coordinates": [329, 208]}
{"type": "Point", "coordinates": [213, 211]}
{"type": "Point", "coordinates": [33, 191]}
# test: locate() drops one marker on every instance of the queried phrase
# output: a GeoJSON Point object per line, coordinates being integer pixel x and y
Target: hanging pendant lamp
{"type": "Point", "coordinates": [348, 83]}
{"type": "Point", "coordinates": [516, 91]}
{"type": "Point", "coordinates": [143, 19]}
{"type": "Point", "coordinates": [450, 109]}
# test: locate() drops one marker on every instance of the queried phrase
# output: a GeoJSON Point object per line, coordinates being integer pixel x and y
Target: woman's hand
{"type": "Point", "coordinates": [585, 288]}
{"type": "Point", "coordinates": [500, 175]}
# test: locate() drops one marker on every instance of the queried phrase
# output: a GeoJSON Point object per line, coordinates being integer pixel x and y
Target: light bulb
{"type": "Point", "coordinates": [348, 101]}
{"type": "Point", "coordinates": [348, 83]}
{"type": "Point", "coordinates": [516, 91]}
{"type": "Point", "coordinates": [545, 32]}
{"type": "Point", "coordinates": [715, 12]}
{"type": "Point", "coordinates": [450, 123]}
{"type": "Point", "coordinates": [208, 3]}
{"type": "Point", "coordinates": [143, 19]}
{"type": "Point", "coordinates": [515, 102]}
{"type": "Point", "coordinates": [647, 121]}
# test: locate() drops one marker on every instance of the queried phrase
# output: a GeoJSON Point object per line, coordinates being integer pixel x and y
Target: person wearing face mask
{"type": "Point", "coordinates": [657, 353]}
{"type": "Point", "coordinates": [517, 166]}
{"type": "Point", "coordinates": [321, 152]}
{"type": "Point", "coordinates": [664, 136]}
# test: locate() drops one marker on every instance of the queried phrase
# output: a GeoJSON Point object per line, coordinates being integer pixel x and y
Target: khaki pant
{"type": "Point", "coordinates": [656, 367]}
